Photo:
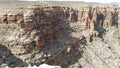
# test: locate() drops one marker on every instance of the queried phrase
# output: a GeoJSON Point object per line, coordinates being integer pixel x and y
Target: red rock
{"type": "Point", "coordinates": [39, 42]}
{"type": "Point", "coordinates": [47, 31]}
{"type": "Point", "coordinates": [29, 25]}
{"type": "Point", "coordinates": [49, 38]}
{"type": "Point", "coordinates": [4, 18]}
{"type": "Point", "coordinates": [19, 16]}
{"type": "Point", "coordinates": [12, 17]}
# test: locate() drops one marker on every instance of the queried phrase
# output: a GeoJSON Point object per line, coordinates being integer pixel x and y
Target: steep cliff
{"type": "Point", "coordinates": [58, 35]}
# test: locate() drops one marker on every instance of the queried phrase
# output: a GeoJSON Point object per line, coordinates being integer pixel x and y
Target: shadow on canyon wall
{"type": "Point", "coordinates": [65, 51]}
{"type": "Point", "coordinates": [6, 57]}
{"type": "Point", "coordinates": [67, 42]}
{"type": "Point", "coordinates": [112, 20]}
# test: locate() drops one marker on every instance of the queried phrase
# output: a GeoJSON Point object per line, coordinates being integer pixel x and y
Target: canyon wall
{"type": "Point", "coordinates": [58, 35]}
{"type": "Point", "coordinates": [38, 25]}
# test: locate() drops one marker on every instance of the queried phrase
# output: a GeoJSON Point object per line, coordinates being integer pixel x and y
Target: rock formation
{"type": "Point", "coordinates": [33, 28]}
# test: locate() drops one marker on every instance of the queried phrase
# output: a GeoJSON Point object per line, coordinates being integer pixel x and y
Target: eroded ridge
{"type": "Point", "coordinates": [57, 32]}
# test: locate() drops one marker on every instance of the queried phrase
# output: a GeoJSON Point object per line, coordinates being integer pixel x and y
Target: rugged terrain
{"type": "Point", "coordinates": [68, 36]}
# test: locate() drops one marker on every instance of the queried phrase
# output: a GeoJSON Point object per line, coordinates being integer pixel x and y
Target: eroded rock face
{"type": "Point", "coordinates": [38, 24]}
{"type": "Point", "coordinates": [95, 17]}
{"type": "Point", "coordinates": [31, 30]}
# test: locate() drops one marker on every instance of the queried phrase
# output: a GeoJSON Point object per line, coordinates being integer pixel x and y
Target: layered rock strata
{"type": "Point", "coordinates": [39, 24]}
{"type": "Point", "coordinates": [33, 27]}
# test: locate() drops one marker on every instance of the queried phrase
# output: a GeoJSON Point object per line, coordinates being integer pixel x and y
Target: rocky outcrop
{"type": "Point", "coordinates": [6, 56]}
{"type": "Point", "coordinates": [39, 24]}
{"type": "Point", "coordinates": [94, 17]}
{"type": "Point", "coordinates": [35, 28]}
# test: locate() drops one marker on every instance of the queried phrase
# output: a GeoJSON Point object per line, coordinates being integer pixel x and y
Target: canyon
{"type": "Point", "coordinates": [70, 37]}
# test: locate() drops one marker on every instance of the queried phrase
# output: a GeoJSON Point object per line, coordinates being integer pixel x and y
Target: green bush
{"type": "Point", "coordinates": [12, 66]}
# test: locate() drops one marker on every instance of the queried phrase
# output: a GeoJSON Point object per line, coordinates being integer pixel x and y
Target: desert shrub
{"type": "Point", "coordinates": [12, 66]}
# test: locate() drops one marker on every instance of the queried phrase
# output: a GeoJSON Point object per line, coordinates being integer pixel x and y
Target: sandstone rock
{"type": "Point", "coordinates": [35, 33]}
{"type": "Point", "coordinates": [12, 17]}
{"type": "Point", "coordinates": [4, 18]}
{"type": "Point", "coordinates": [47, 31]}
{"type": "Point", "coordinates": [21, 23]}
{"type": "Point", "coordinates": [41, 25]}
{"type": "Point", "coordinates": [29, 25]}
{"type": "Point", "coordinates": [19, 16]}
{"type": "Point", "coordinates": [73, 16]}
{"type": "Point", "coordinates": [39, 42]}
{"type": "Point", "coordinates": [49, 38]}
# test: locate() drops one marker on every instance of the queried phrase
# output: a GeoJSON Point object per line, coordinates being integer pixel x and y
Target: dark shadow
{"type": "Point", "coordinates": [6, 57]}
{"type": "Point", "coordinates": [65, 51]}
{"type": "Point", "coordinates": [101, 30]}
{"type": "Point", "coordinates": [115, 18]}
{"type": "Point", "coordinates": [99, 24]}
{"type": "Point", "coordinates": [100, 19]}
